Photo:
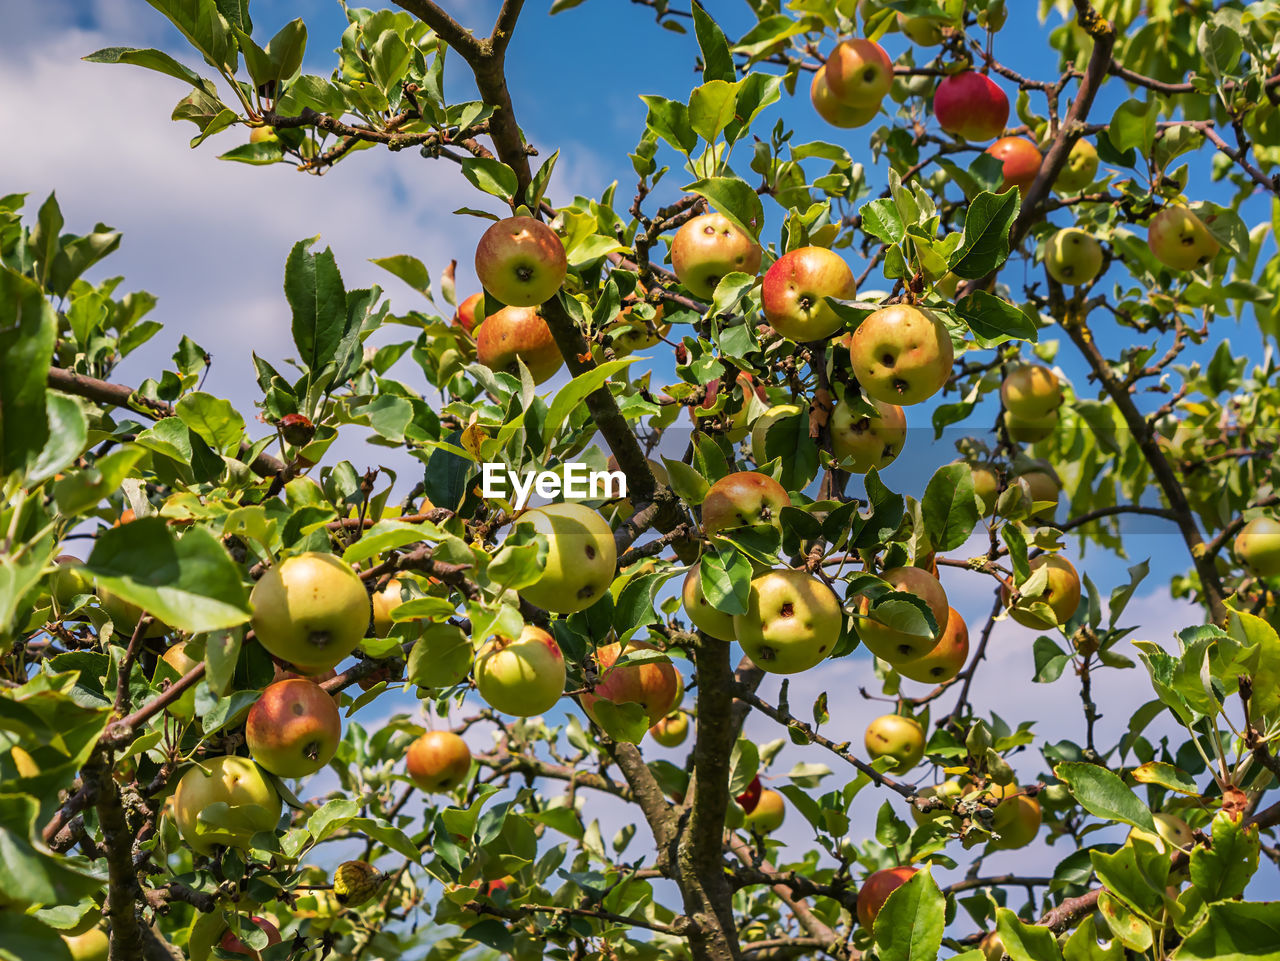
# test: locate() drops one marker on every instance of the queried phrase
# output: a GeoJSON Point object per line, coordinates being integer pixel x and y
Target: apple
{"type": "Point", "coordinates": [310, 609]}
{"type": "Point", "coordinates": [1030, 430]}
{"type": "Point", "coordinates": [743, 498]}
{"type": "Point", "coordinates": [986, 485]}
{"type": "Point", "coordinates": [234, 945]}
{"type": "Point", "coordinates": [1080, 170]}
{"type": "Point", "coordinates": [701, 614]}
{"type": "Point", "coordinates": [518, 333]}
{"type": "Point", "coordinates": [125, 616]}
{"type": "Point", "coordinates": [947, 790]}
{"type": "Point", "coordinates": [793, 291]}
{"type": "Point", "coordinates": [653, 684]}
{"type": "Point", "coordinates": [385, 603]}
{"type": "Point", "coordinates": [792, 622]}
{"type": "Point", "coordinates": [992, 947]}
{"type": "Point", "coordinates": [469, 313]}
{"type": "Point", "coordinates": [235, 781]}
{"type": "Point", "coordinates": [294, 728]}
{"type": "Point", "coordinates": [970, 105]}
{"type": "Point", "coordinates": [833, 111]}
{"type": "Point", "coordinates": [1016, 818]}
{"type": "Point", "coordinates": [581, 558]}
{"type": "Point", "coordinates": [706, 248]}
{"type": "Point", "coordinates": [68, 581]}
{"type": "Point", "coordinates": [946, 658]}
{"type": "Point", "coordinates": [871, 441]}
{"type": "Point", "coordinates": [438, 761]}
{"type": "Point", "coordinates": [629, 332]}
{"type": "Point", "coordinates": [768, 814]}
{"type": "Point", "coordinates": [91, 945]}
{"type": "Point", "coordinates": [671, 730]}
{"type": "Point", "coordinates": [523, 677]}
{"type": "Point", "coordinates": [177, 658]}
{"type": "Point", "coordinates": [922, 30]}
{"type": "Point", "coordinates": [1031, 391]}
{"type": "Point", "coordinates": [1021, 159]}
{"type": "Point", "coordinates": [875, 892]}
{"type": "Point", "coordinates": [1062, 594]}
{"type": "Point", "coordinates": [1258, 546]}
{"type": "Point", "coordinates": [895, 646]}
{"type": "Point", "coordinates": [263, 135]}
{"type": "Point", "coordinates": [760, 429]}
{"type": "Point", "coordinates": [749, 798]}
{"type": "Point", "coordinates": [521, 262]}
{"type": "Point", "coordinates": [859, 73]}
{"type": "Point", "coordinates": [901, 354]}
{"type": "Point", "coordinates": [1073, 257]}
{"type": "Point", "coordinates": [898, 737]}
{"type": "Point", "coordinates": [1041, 485]}
{"type": "Point", "coordinates": [1180, 240]}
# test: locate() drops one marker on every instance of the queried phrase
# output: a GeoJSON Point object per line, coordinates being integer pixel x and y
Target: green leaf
{"type": "Point", "coordinates": [1122, 876]}
{"type": "Point", "coordinates": [1025, 942]}
{"type": "Point", "coordinates": [492, 176]}
{"type": "Point", "coordinates": [1083, 945]}
{"type": "Point", "coordinates": [1131, 930]}
{"type": "Point", "coordinates": [910, 923]}
{"type": "Point", "coordinates": [68, 435]}
{"type": "Point", "coordinates": [1134, 125]}
{"type": "Point", "coordinates": [287, 48]}
{"type": "Point", "coordinates": [34, 875]}
{"type": "Point", "coordinates": [716, 59]}
{"type": "Point", "coordinates": [409, 269]}
{"type": "Point", "coordinates": [216, 422]}
{"type": "Point", "coordinates": [725, 577]}
{"type": "Point", "coordinates": [986, 234]}
{"type": "Point", "coordinates": [949, 507]}
{"type": "Point", "coordinates": [734, 198]}
{"type": "Point", "coordinates": [313, 287]}
{"type": "Point", "coordinates": [1167, 776]}
{"type": "Point", "coordinates": [84, 489]}
{"type": "Point", "coordinates": [744, 765]}
{"type": "Point", "coordinates": [387, 535]}
{"type": "Point", "coordinates": [1104, 795]}
{"type": "Point", "coordinates": [669, 119]}
{"type": "Point", "coordinates": [28, 329]}
{"type": "Point", "coordinates": [1050, 660]}
{"type": "Point", "coordinates": [1234, 931]}
{"type": "Point", "coordinates": [204, 26]}
{"type": "Point", "coordinates": [623, 722]}
{"type": "Point", "coordinates": [156, 60]}
{"type": "Point", "coordinates": [571, 396]}
{"type": "Point", "coordinates": [711, 108]}
{"type": "Point", "coordinates": [688, 483]}
{"type": "Point", "coordinates": [880, 218]}
{"type": "Point", "coordinates": [994, 321]}
{"type": "Point", "coordinates": [26, 937]}
{"type": "Point", "coordinates": [1221, 872]}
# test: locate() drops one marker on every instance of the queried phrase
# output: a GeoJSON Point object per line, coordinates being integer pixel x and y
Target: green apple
{"type": "Point", "coordinates": [1258, 546]}
{"type": "Point", "coordinates": [1080, 169]}
{"type": "Point", "coordinates": [871, 440]}
{"type": "Point", "coordinates": [1061, 593]}
{"type": "Point", "coordinates": [1073, 257]}
{"type": "Point", "coordinates": [794, 291]}
{"type": "Point", "coordinates": [1180, 240]}
{"type": "Point", "coordinates": [768, 814]}
{"type": "Point", "coordinates": [177, 658]}
{"type": "Point", "coordinates": [986, 486]}
{"type": "Point", "coordinates": [581, 558]}
{"type": "Point", "coordinates": [1016, 818]}
{"type": "Point", "coordinates": [92, 945]}
{"type": "Point", "coordinates": [310, 609]}
{"type": "Point", "coordinates": [293, 728]}
{"type": "Point", "coordinates": [925, 31]}
{"type": "Point", "coordinates": [69, 581]}
{"type": "Point", "coordinates": [671, 730]}
{"type": "Point", "coordinates": [833, 111]}
{"type": "Point", "coordinates": [1027, 430]}
{"type": "Point", "coordinates": [898, 737]}
{"type": "Point", "coordinates": [236, 782]}
{"type": "Point", "coordinates": [706, 248]}
{"type": "Point", "coordinates": [901, 354]}
{"type": "Point", "coordinates": [897, 646]}
{"type": "Point", "coordinates": [521, 262]}
{"type": "Point", "coordinates": [1040, 484]}
{"type": "Point", "coordinates": [438, 761]}
{"type": "Point", "coordinates": [946, 658]}
{"type": "Point", "coordinates": [741, 499]}
{"type": "Point", "coordinates": [701, 614]}
{"type": "Point", "coordinates": [1031, 391]}
{"type": "Point", "coordinates": [950, 790]}
{"type": "Point", "coordinates": [523, 677]}
{"type": "Point", "coordinates": [792, 622]}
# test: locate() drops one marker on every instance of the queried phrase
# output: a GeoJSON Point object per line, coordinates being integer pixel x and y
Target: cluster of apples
{"type": "Point", "coordinates": [848, 89]}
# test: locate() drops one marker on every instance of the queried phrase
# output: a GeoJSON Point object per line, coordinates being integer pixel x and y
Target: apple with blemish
{"type": "Point", "coordinates": [1073, 257]}
{"type": "Point", "coordinates": [701, 614]}
{"type": "Point", "coordinates": [652, 684]}
{"type": "Point", "coordinates": [253, 804]}
{"type": "Point", "coordinates": [892, 644]}
{"type": "Point", "coordinates": [310, 609]}
{"type": "Point", "coordinates": [293, 729]}
{"type": "Point", "coordinates": [794, 291]}
{"type": "Point", "coordinates": [897, 737]}
{"type": "Point", "coordinates": [518, 334]}
{"type": "Point", "coordinates": [858, 72]}
{"type": "Point", "coordinates": [521, 262]}
{"type": "Point", "coordinates": [707, 248]}
{"type": "Point", "coordinates": [1061, 594]}
{"type": "Point", "coordinates": [438, 761]}
{"type": "Point", "coordinates": [792, 622]}
{"type": "Point", "coordinates": [524, 676]}
{"type": "Point", "coordinates": [945, 659]}
{"type": "Point", "coordinates": [833, 111]}
{"type": "Point", "coordinates": [901, 354]}
{"type": "Point", "coordinates": [870, 440]}
{"type": "Point", "coordinates": [1180, 240]}
{"type": "Point", "coordinates": [741, 499]}
{"type": "Point", "coordinates": [581, 558]}
{"type": "Point", "coordinates": [1080, 169]}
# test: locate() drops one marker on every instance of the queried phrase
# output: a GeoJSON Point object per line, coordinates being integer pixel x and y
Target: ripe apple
{"type": "Point", "coordinates": [385, 603]}
{"type": "Point", "coordinates": [898, 737]}
{"type": "Point", "coordinates": [749, 798]}
{"type": "Point", "coordinates": [875, 892]}
{"type": "Point", "coordinates": [1258, 546]}
{"type": "Point", "coordinates": [833, 111]}
{"type": "Point", "coordinates": [792, 622]}
{"type": "Point", "coordinates": [581, 558]}
{"type": "Point", "coordinates": [469, 313]}
{"type": "Point", "coordinates": [438, 761]}
{"type": "Point", "coordinates": [701, 614]}
{"type": "Point", "coordinates": [768, 814]}
{"type": "Point", "coordinates": [793, 291]}
{"type": "Point", "coordinates": [922, 30]}
{"type": "Point", "coordinates": [1062, 594]}
{"type": "Point", "coordinates": [521, 262]}
{"type": "Point", "coordinates": [1080, 169]}
{"type": "Point", "coordinates": [872, 441]}
{"type": "Point", "coordinates": [760, 429]}
{"type": "Point", "coordinates": [986, 485]}
{"type": "Point", "coordinates": [743, 498]}
{"type": "Point", "coordinates": [1021, 160]}
{"type": "Point", "coordinates": [1031, 391]}
{"type": "Point", "coordinates": [523, 677]}
{"type": "Point", "coordinates": [706, 248]}
{"type": "Point", "coordinates": [859, 73]}
{"type": "Point", "coordinates": [518, 332]}
{"type": "Point", "coordinates": [91, 945]}
{"type": "Point", "coordinates": [310, 609]}
{"type": "Point", "coordinates": [235, 781]}
{"type": "Point", "coordinates": [234, 945]}
{"type": "Point", "coordinates": [671, 730]}
{"type": "Point", "coordinates": [901, 354]}
{"type": "Point", "coordinates": [896, 646]}
{"type": "Point", "coordinates": [970, 105]}
{"type": "Point", "coordinates": [178, 659]}
{"type": "Point", "coordinates": [1030, 430]}
{"type": "Point", "coordinates": [263, 135]}
{"type": "Point", "coordinates": [947, 790]}
{"type": "Point", "coordinates": [294, 728]}
{"type": "Point", "coordinates": [947, 657]}
{"type": "Point", "coordinates": [1180, 240]}
{"type": "Point", "coordinates": [1016, 818]}
{"type": "Point", "coordinates": [654, 685]}
{"type": "Point", "coordinates": [1073, 257]}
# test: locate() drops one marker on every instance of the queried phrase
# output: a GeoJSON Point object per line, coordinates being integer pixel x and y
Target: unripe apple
{"type": "Point", "coordinates": [1080, 170]}
{"type": "Point", "coordinates": [792, 622]}
{"type": "Point", "coordinates": [875, 892]}
{"type": "Point", "coordinates": [518, 333]}
{"type": "Point", "coordinates": [946, 658]}
{"type": "Point", "coordinates": [125, 616]}
{"type": "Point", "coordinates": [922, 30]}
{"type": "Point", "coordinates": [671, 730]}
{"type": "Point", "coordinates": [898, 737]}
{"type": "Point", "coordinates": [901, 354]}
{"type": "Point", "coordinates": [947, 790]}
{"type": "Point", "coordinates": [1026, 430]}
{"type": "Point", "coordinates": [1030, 391]}
{"type": "Point", "coordinates": [768, 814]}
{"type": "Point", "coordinates": [581, 558]}
{"type": "Point", "coordinates": [91, 945]}
{"type": "Point", "coordinates": [992, 947]}
{"type": "Point", "coordinates": [68, 581]}
{"type": "Point", "coordinates": [1180, 240]}
{"type": "Point", "coordinates": [1016, 818]}
{"type": "Point", "coordinates": [310, 609]}
{"type": "Point", "coordinates": [1041, 485]}
{"type": "Point", "coordinates": [859, 72]}
{"type": "Point", "coordinates": [971, 105]}
{"type": "Point", "coordinates": [833, 111]}
{"type": "Point", "coordinates": [1258, 546]}
{"type": "Point", "coordinates": [793, 291]}
{"type": "Point", "coordinates": [895, 646]}
{"type": "Point", "coordinates": [385, 603]}
{"type": "Point", "coordinates": [234, 945]}
{"type": "Point", "coordinates": [654, 685]}
{"type": "Point", "coordinates": [1073, 257]}
{"type": "Point", "coordinates": [742, 499]}
{"type": "Point", "coordinates": [438, 761]}
{"type": "Point", "coordinates": [986, 485]}
{"type": "Point", "coordinates": [523, 677]}
{"type": "Point", "coordinates": [701, 614]}
{"type": "Point", "coordinates": [178, 659]}
{"type": "Point", "coordinates": [706, 248]}
{"type": "Point", "coordinates": [749, 798]}
{"type": "Point", "coordinates": [1062, 594]}
{"type": "Point", "coordinates": [294, 728]}
{"type": "Point", "coordinates": [629, 333]}
{"type": "Point", "coordinates": [872, 441]}
{"type": "Point", "coordinates": [521, 262]}
{"type": "Point", "coordinates": [235, 781]}
{"type": "Point", "coordinates": [760, 429]}
{"type": "Point", "coordinates": [263, 135]}
{"type": "Point", "coordinates": [469, 313]}
{"type": "Point", "coordinates": [1021, 160]}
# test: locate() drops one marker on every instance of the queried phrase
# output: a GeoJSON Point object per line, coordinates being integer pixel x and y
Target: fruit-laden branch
{"type": "Point", "coordinates": [503, 762]}
{"type": "Point", "coordinates": [123, 729]}
{"type": "Point", "coordinates": [388, 135]}
{"type": "Point", "coordinates": [831, 942]}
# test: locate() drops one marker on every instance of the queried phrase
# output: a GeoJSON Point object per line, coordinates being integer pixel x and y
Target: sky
{"type": "Point", "coordinates": [210, 238]}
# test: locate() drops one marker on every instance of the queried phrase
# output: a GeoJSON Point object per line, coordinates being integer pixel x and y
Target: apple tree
{"type": "Point", "coordinates": [257, 700]}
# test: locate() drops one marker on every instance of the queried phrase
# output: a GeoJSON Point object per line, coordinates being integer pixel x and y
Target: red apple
{"type": "Point", "coordinates": [294, 728]}
{"type": "Point", "coordinates": [1021, 161]}
{"type": "Point", "coordinates": [438, 761]}
{"type": "Point", "coordinates": [706, 248]}
{"type": "Point", "coordinates": [654, 685]}
{"type": "Point", "coordinates": [794, 290]}
{"type": "Point", "coordinates": [740, 499]}
{"type": "Point", "coordinates": [875, 892]}
{"type": "Point", "coordinates": [751, 796]}
{"type": "Point", "coordinates": [971, 105]}
{"type": "Point", "coordinates": [832, 110]}
{"type": "Point", "coordinates": [518, 332]}
{"type": "Point", "coordinates": [521, 261]}
{"type": "Point", "coordinates": [469, 313]}
{"type": "Point", "coordinates": [859, 73]}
